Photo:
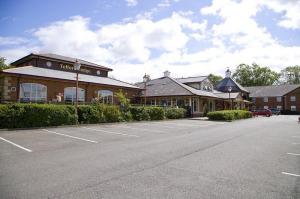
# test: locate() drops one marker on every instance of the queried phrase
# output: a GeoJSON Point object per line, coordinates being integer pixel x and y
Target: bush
{"type": "Point", "coordinates": [36, 115]}
{"type": "Point", "coordinates": [156, 113]}
{"type": "Point", "coordinates": [175, 113]}
{"type": "Point", "coordinates": [229, 115]}
{"type": "Point", "coordinates": [112, 113]}
{"type": "Point", "coordinates": [88, 114]}
{"type": "Point", "coordinates": [139, 113]}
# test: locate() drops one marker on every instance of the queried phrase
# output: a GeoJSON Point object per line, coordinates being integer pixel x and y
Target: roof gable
{"type": "Point", "coordinates": [227, 82]}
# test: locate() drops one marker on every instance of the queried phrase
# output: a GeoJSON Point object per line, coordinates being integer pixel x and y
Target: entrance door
{"type": "Point", "coordinates": [195, 105]}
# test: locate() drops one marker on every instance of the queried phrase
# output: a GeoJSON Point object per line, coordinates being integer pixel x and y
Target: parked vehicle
{"type": "Point", "coordinates": [263, 112]}
{"type": "Point", "coordinates": [275, 111]}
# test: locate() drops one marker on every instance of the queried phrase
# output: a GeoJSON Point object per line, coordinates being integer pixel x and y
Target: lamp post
{"type": "Point", "coordinates": [77, 66]}
{"type": "Point", "coordinates": [145, 79]}
{"type": "Point", "coordinates": [229, 90]}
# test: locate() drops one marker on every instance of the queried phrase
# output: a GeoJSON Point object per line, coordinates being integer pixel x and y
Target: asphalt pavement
{"type": "Point", "coordinates": [253, 158]}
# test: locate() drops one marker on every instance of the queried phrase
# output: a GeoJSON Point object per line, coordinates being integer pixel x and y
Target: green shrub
{"type": "Point", "coordinates": [91, 114]}
{"type": "Point", "coordinates": [112, 113]}
{"type": "Point", "coordinates": [175, 113]}
{"type": "Point", "coordinates": [156, 113]}
{"type": "Point", "coordinates": [139, 113]}
{"type": "Point", "coordinates": [229, 115]}
{"type": "Point", "coordinates": [36, 115]}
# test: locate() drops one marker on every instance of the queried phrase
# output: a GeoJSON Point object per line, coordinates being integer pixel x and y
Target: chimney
{"type": "Point", "coordinates": [228, 73]}
{"type": "Point", "coordinates": [167, 73]}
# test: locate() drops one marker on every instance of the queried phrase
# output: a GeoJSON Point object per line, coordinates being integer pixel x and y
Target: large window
{"type": "Point", "coordinates": [266, 99]}
{"type": "Point", "coordinates": [278, 99]}
{"type": "Point", "coordinates": [32, 92]}
{"type": "Point", "coordinates": [293, 98]}
{"type": "Point", "coordinates": [70, 94]}
{"type": "Point", "coordinates": [106, 96]}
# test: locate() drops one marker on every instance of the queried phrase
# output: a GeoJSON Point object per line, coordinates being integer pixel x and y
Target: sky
{"type": "Point", "coordinates": [134, 37]}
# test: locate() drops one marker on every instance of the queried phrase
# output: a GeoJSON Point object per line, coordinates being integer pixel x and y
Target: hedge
{"type": "Point", "coordinates": [229, 115]}
{"type": "Point", "coordinates": [40, 115]}
{"type": "Point", "coordinates": [175, 113]}
{"type": "Point", "coordinates": [36, 115]}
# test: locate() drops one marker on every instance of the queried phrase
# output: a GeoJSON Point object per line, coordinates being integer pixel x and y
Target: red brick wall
{"type": "Point", "coordinates": [289, 103]}
{"type": "Point", "coordinates": [54, 87]}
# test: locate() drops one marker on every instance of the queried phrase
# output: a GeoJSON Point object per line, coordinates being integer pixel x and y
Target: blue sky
{"type": "Point", "coordinates": [186, 37]}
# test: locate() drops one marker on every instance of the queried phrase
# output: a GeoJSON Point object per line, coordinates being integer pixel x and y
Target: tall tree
{"type": "Point", "coordinates": [291, 75]}
{"type": "Point", "coordinates": [3, 65]}
{"type": "Point", "coordinates": [214, 79]}
{"type": "Point", "coordinates": [255, 75]}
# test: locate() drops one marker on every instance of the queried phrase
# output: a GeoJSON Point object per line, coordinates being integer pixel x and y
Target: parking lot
{"type": "Point", "coordinates": [254, 158]}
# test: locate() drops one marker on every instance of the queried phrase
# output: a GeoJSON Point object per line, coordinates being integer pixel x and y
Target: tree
{"type": "Point", "coordinates": [214, 79]}
{"type": "Point", "coordinates": [3, 65]}
{"type": "Point", "coordinates": [291, 75]}
{"type": "Point", "coordinates": [255, 75]}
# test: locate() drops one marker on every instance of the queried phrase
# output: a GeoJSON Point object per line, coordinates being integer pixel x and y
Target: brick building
{"type": "Point", "coordinates": [51, 78]}
{"type": "Point", "coordinates": [282, 97]}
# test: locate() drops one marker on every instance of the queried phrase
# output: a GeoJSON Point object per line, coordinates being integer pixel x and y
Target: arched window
{"type": "Point", "coordinates": [32, 92]}
{"type": "Point", "coordinates": [70, 94]}
{"type": "Point", "coordinates": [106, 96]}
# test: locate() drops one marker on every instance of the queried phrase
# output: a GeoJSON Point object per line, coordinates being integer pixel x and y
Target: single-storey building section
{"type": "Point", "coordinates": [52, 78]}
{"type": "Point", "coordinates": [197, 94]}
{"type": "Point", "coordinates": [282, 97]}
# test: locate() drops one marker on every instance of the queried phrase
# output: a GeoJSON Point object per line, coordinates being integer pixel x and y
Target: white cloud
{"type": "Point", "coordinates": [12, 41]}
{"type": "Point", "coordinates": [131, 2]}
{"type": "Point", "coordinates": [140, 45]}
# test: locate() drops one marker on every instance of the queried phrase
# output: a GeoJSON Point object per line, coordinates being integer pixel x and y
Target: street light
{"type": "Point", "coordinates": [145, 79]}
{"type": "Point", "coordinates": [229, 90]}
{"type": "Point", "coordinates": [77, 66]}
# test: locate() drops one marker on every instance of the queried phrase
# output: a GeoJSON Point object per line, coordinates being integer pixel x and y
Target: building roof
{"type": "Point", "coordinates": [271, 91]}
{"type": "Point", "coordinates": [61, 58]}
{"type": "Point", "coordinates": [227, 82]}
{"type": "Point", "coordinates": [226, 95]}
{"type": "Point", "coordinates": [167, 86]}
{"type": "Point", "coordinates": [57, 74]}
{"type": "Point", "coordinates": [191, 79]}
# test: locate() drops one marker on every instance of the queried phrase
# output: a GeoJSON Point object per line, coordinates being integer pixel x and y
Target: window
{"type": "Point", "coordinates": [278, 99]}
{"type": "Point", "coordinates": [293, 98]}
{"type": "Point", "coordinates": [70, 94]}
{"type": "Point", "coordinates": [174, 102]}
{"type": "Point", "coordinates": [253, 99]}
{"type": "Point", "coordinates": [293, 108]}
{"type": "Point", "coordinates": [279, 107]}
{"type": "Point", "coordinates": [266, 99]}
{"type": "Point", "coordinates": [32, 92]}
{"type": "Point", "coordinates": [266, 107]}
{"type": "Point", "coordinates": [106, 96]}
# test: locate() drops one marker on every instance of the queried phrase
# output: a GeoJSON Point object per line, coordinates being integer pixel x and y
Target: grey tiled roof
{"type": "Point", "coordinates": [229, 82]}
{"type": "Point", "coordinates": [226, 95]}
{"type": "Point", "coordinates": [271, 91]}
{"type": "Point", "coordinates": [57, 74]}
{"type": "Point", "coordinates": [167, 86]}
{"type": "Point", "coordinates": [191, 79]}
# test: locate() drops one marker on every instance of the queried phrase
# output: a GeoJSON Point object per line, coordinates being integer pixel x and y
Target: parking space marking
{"type": "Point", "coordinates": [21, 147]}
{"type": "Point", "coordinates": [70, 136]}
{"type": "Point", "coordinates": [111, 132]}
{"type": "Point", "coordinates": [129, 127]}
{"type": "Point", "coordinates": [295, 154]}
{"type": "Point", "coordinates": [290, 174]}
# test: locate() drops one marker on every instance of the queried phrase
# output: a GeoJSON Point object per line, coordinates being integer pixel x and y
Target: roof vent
{"type": "Point", "coordinates": [167, 73]}
{"type": "Point", "coordinates": [228, 73]}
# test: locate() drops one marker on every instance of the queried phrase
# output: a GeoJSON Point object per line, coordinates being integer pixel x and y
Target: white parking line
{"type": "Point", "coordinates": [10, 142]}
{"type": "Point", "coordinates": [290, 174]}
{"type": "Point", "coordinates": [70, 136]}
{"type": "Point", "coordinates": [296, 154]}
{"type": "Point", "coordinates": [142, 129]}
{"type": "Point", "coordinates": [110, 132]}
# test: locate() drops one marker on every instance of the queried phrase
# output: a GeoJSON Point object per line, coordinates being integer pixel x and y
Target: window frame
{"type": "Point", "coordinates": [35, 89]}
{"type": "Point", "coordinates": [107, 97]}
{"type": "Point", "coordinates": [80, 91]}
